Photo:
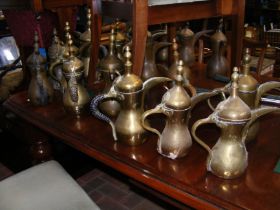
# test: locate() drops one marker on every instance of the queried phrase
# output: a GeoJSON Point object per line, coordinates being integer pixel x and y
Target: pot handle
{"type": "Point", "coordinates": [51, 69]}
{"type": "Point", "coordinates": [98, 114]}
{"type": "Point", "coordinates": [222, 92]}
{"type": "Point", "coordinates": [159, 109]}
{"type": "Point", "coordinates": [198, 123]}
{"type": "Point", "coordinates": [191, 88]}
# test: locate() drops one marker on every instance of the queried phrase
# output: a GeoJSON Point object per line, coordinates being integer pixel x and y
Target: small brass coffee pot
{"type": "Point", "coordinates": [75, 97]}
{"type": "Point", "coordinates": [110, 67]}
{"type": "Point", "coordinates": [188, 39]}
{"type": "Point", "coordinates": [229, 158]}
{"type": "Point", "coordinates": [40, 91]}
{"type": "Point", "coordinates": [121, 40]}
{"type": "Point", "coordinates": [130, 91]}
{"type": "Point", "coordinates": [218, 64]}
{"type": "Point", "coordinates": [175, 140]}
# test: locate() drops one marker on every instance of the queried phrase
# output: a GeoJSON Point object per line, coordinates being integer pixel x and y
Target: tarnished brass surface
{"type": "Point", "coordinates": [229, 158]}
{"type": "Point", "coordinates": [40, 91]}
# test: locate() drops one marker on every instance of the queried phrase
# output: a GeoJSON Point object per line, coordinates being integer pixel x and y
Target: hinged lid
{"type": "Point", "coordinates": [233, 108]}
{"type": "Point", "coordinates": [177, 97]}
{"type": "Point", "coordinates": [56, 48]}
{"type": "Point", "coordinates": [219, 36]}
{"type": "Point", "coordinates": [186, 32]}
{"type": "Point", "coordinates": [72, 48]}
{"type": "Point", "coordinates": [120, 36]}
{"type": "Point", "coordinates": [129, 82]}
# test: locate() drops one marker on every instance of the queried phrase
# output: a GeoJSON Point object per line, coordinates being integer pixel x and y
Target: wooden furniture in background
{"type": "Point", "coordinates": [142, 15]}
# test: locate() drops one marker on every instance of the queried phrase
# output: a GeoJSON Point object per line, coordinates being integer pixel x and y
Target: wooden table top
{"type": "Point", "coordinates": [185, 179]}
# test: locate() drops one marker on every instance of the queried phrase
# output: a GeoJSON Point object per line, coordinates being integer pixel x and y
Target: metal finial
{"type": "Point", "coordinates": [88, 18]}
{"type": "Point", "coordinates": [179, 77]}
{"type": "Point", "coordinates": [36, 42]}
{"type": "Point", "coordinates": [127, 56]}
{"type": "Point", "coordinates": [234, 82]}
{"type": "Point", "coordinates": [221, 22]}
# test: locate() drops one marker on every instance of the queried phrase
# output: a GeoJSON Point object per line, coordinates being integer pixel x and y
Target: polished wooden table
{"type": "Point", "coordinates": [185, 180]}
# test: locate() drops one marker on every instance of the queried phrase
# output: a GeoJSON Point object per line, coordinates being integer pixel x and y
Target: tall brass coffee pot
{"type": "Point", "coordinates": [251, 92]}
{"type": "Point", "coordinates": [175, 140]}
{"type": "Point", "coordinates": [110, 67]}
{"type": "Point", "coordinates": [218, 64]}
{"type": "Point", "coordinates": [229, 158]}
{"type": "Point", "coordinates": [188, 39]}
{"type": "Point", "coordinates": [130, 91]}
{"type": "Point", "coordinates": [40, 91]}
{"type": "Point", "coordinates": [75, 97]}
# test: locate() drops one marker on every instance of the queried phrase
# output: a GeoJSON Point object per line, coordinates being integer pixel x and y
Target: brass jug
{"type": "Point", "coordinates": [150, 69]}
{"type": "Point", "coordinates": [75, 97]}
{"type": "Point", "coordinates": [229, 158]}
{"type": "Point", "coordinates": [121, 40]}
{"type": "Point", "coordinates": [218, 64]}
{"type": "Point", "coordinates": [109, 68]}
{"type": "Point", "coordinates": [40, 91]}
{"type": "Point", "coordinates": [130, 91]}
{"type": "Point", "coordinates": [175, 140]}
{"type": "Point", "coordinates": [188, 39]}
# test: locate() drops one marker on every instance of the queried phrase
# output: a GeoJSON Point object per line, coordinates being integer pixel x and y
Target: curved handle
{"type": "Point", "coordinates": [263, 88]}
{"type": "Point", "coordinates": [191, 88]}
{"type": "Point", "coordinates": [198, 123]}
{"type": "Point", "coordinates": [84, 47]}
{"type": "Point", "coordinates": [157, 109]}
{"type": "Point", "coordinates": [95, 111]}
{"type": "Point", "coordinates": [221, 91]}
{"type": "Point", "coordinates": [52, 67]}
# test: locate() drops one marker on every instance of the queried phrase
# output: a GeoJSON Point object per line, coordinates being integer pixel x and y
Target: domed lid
{"type": "Point", "coordinates": [177, 97]}
{"type": "Point", "coordinates": [72, 64]}
{"type": "Point", "coordinates": [120, 36]}
{"type": "Point", "coordinates": [219, 35]}
{"type": "Point", "coordinates": [246, 82]}
{"type": "Point", "coordinates": [111, 63]}
{"type": "Point", "coordinates": [129, 82]}
{"type": "Point", "coordinates": [35, 58]}
{"type": "Point", "coordinates": [172, 73]}
{"type": "Point", "coordinates": [73, 48]}
{"type": "Point", "coordinates": [186, 32]}
{"type": "Point", "coordinates": [86, 36]}
{"type": "Point", "coordinates": [56, 48]}
{"type": "Point", "coordinates": [233, 108]}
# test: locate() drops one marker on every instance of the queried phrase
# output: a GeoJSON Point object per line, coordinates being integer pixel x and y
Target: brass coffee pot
{"type": "Point", "coordinates": [188, 39]}
{"type": "Point", "coordinates": [218, 64]}
{"type": "Point", "coordinates": [175, 140]}
{"type": "Point", "coordinates": [109, 68]}
{"type": "Point", "coordinates": [121, 40]}
{"type": "Point", "coordinates": [40, 91]}
{"type": "Point", "coordinates": [229, 158]}
{"type": "Point", "coordinates": [130, 91]}
{"type": "Point", "coordinates": [152, 47]}
{"type": "Point", "coordinates": [75, 97]}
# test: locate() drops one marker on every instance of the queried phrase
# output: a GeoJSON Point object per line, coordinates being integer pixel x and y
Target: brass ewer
{"type": "Point", "coordinates": [75, 97]}
{"type": "Point", "coordinates": [130, 91]}
{"type": "Point", "coordinates": [40, 91]}
{"type": "Point", "coordinates": [110, 67]}
{"type": "Point", "coordinates": [175, 139]}
{"type": "Point", "coordinates": [229, 158]}
{"type": "Point", "coordinates": [251, 92]}
{"type": "Point", "coordinates": [218, 64]}
{"type": "Point", "coordinates": [188, 39]}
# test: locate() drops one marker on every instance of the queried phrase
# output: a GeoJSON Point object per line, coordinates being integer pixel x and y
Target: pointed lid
{"type": "Point", "coordinates": [233, 108]}
{"type": "Point", "coordinates": [86, 36]}
{"type": "Point", "coordinates": [74, 49]}
{"type": "Point", "coordinates": [35, 58]}
{"type": "Point", "coordinates": [56, 48]}
{"type": "Point", "coordinates": [219, 35]}
{"type": "Point", "coordinates": [129, 82]}
{"type": "Point", "coordinates": [186, 32]}
{"type": "Point", "coordinates": [120, 36]}
{"type": "Point", "coordinates": [246, 82]}
{"type": "Point", "coordinates": [173, 68]}
{"type": "Point", "coordinates": [177, 97]}
{"type": "Point", "coordinates": [111, 63]}
{"type": "Point", "coordinates": [72, 64]}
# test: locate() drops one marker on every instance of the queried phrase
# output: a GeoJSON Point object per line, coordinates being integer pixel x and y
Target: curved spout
{"type": "Point", "coordinates": [199, 34]}
{"type": "Point", "coordinates": [263, 88]}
